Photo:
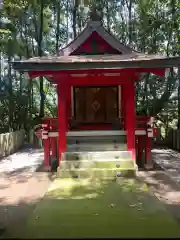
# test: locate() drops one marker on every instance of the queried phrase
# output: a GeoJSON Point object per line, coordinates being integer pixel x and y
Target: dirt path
{"type": "Point", "coordinates": [21, 186]}
{"type": "Point", "coordinates": [165, 183]}
{"type": "Point", "coordinates": [169, 160]}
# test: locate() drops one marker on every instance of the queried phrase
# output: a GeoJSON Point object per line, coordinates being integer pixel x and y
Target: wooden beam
{"type": "Point", "coordinates": [52, 74]}
{"type": "Point", "coordinates": [103, 81]}
{"type": "Point", "coordinates": [34, 65]}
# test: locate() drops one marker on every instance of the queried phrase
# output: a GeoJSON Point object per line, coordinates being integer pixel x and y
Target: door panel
{"type": "Point", "coordinates": [95, 104]}
{"type": "Point", "coordinates": [112, 103]}
{"type": "Point", "coordinates": [79, 106]}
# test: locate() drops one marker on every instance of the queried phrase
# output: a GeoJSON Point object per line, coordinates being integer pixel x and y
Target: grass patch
{"type": "Point", "coordinates": [94, 208]}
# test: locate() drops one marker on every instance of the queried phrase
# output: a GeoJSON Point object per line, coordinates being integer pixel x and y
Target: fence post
{"type": "Point", "coordinates": [174, 139]}
{"type": "Point", "coordinates": [177, 139]}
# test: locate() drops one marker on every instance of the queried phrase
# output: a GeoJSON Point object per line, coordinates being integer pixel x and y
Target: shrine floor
{"type": "Point", "coordinates": [92, 208]}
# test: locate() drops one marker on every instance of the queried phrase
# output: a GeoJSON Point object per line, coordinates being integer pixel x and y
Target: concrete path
{"type": "Point", "coordinates": [169, 160]}
{"type": "Point", "coordinates": [21, 185]}
{"type": "Point", "coordinates": [165, 182]}
{"type": "Point", "coordinates": [28, 158]}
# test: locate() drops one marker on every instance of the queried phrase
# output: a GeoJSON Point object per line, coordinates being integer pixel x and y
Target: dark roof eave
{"type": "Point", "coordinates": [68, 66]}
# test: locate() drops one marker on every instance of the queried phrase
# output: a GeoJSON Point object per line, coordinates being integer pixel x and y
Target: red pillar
{"type": "Point", "coordinates": [130, 116]}
{"type": "Point", "coordinates": [62, 117]}
{"type": "Point", "coordinates": [54, 147]}
{"type": "Point", "coordinates": [140, 149]}
{"type": "Point", "coordinates": [148, 151]}
{"type": "Point", "coordinates": [69, 103]}
{"type": "Point", "coordinates": [46, 143]}
{"type": "Point", "coordinates": [122, 103]}
{"type": "Point", "coordinates": [46, 153]}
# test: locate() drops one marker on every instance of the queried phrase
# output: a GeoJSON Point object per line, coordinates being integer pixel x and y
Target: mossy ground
{"type": "Point", "coordinates": [94, 208]}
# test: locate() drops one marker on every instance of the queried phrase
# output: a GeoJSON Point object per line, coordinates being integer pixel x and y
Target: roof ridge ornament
{"type": "Point", "coordinates": [95, 17]}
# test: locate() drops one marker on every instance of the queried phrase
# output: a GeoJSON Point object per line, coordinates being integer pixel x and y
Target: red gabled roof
{"type": "Point", "coordinates": [95, 27]}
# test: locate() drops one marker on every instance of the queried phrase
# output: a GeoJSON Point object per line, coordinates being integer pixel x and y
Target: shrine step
{"type": "Point", "coordinates": [96, 139]}
{"type": "Point", "coordinates": [93, 147]}
{"type": "Point", "coordinates": [85, 164]}
{"type": "Point", "coordinates": [97, 156]}
{"type": "Point", "coordinates": [107, 164]}
{"type": "Point", "coordinates": [96, 173]}
{"type": "Point", "coordinates": [96, 143]}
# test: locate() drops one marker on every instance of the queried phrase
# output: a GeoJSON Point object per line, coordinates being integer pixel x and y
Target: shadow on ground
{"type": "Point", "coordinates": [164, 188]}
{"type": "Point", "coordinates": [22, 185]}
{"type": "Point", "coordinates": [88, 208]}
{"type": "Point", "coordinates": [83, 209]}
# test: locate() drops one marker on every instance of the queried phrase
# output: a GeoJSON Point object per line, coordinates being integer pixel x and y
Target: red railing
{"type": "Point", "coordinates": [51, 124]}
{"type": "Point", "coordinates": [51, 143]}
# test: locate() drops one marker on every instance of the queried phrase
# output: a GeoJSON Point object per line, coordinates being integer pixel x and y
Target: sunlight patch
{"type": "Point", "coordinates": [67, 184]}
{"type": "Point", "coordinates": [84, 196]}
{"type": "Point", "coordinates": [75, 189]}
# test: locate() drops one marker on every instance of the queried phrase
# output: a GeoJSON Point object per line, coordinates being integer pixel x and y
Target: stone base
{"type": "Point", "coordinates": [149, 166]}
{"type": "Point", "coordinates": [47, 168]}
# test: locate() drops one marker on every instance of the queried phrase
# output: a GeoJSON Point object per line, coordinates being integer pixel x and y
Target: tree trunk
{"type": "Point", "coordinates": [108, 16]}
{"type": "Point", "coordinates": [40, 38]}
{"type": "Point", "coordinates": [10, 91]}
{"type": "Point", "coordinates": [75, 8]}
{"type": "Point", "coordinates": [67, 23]}
{"type": "Point", "coordinates": [179, 97]}
{"type": "Point", "coordinates": [130, 21]}
{"type": "Point", "coordinates": [57, 27]}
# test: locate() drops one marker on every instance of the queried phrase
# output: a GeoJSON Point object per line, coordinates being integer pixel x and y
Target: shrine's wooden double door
{"type": "Point", "coordinates": [96, 104]}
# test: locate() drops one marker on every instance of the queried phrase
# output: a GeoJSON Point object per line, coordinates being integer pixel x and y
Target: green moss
{"type": "Point", "coordinates": [101, 169]}
{"type": "Point", "coordinates": [93, 173]}
{"type": "Point", "coordinates": [128, 164]}
{"type": "Point", "coordinates": [89, 208]}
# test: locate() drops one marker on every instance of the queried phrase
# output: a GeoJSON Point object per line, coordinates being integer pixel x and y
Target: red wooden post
{"type": "Point", "coordinates": [140, 149]}
{"type": "Point", "coordinates": [69, 103]}
{"type": "Point", "coordinates": [46, 142]}
{"type": "Point", "coordinates": [62, 117]}
{"type": "Point", "coordinates": [129, 94]}
{"type": "Point", "coordinates": [46, 152]}
{"type": "Point", "coordinates": [148, 151]}
{"type": "Point", "coordinates": [53, 139]}
{"type": "Point", "coordinates": [54, 147]}
{"type": "Point", "coordinates": [122, 104]}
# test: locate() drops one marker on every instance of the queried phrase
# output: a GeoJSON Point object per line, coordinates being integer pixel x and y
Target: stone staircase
{"type": "Point", "coordinates": [96, 156]}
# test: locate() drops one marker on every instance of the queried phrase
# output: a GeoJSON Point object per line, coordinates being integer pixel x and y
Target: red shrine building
{"type": "Point", "coordinates": [95, 76]}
